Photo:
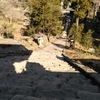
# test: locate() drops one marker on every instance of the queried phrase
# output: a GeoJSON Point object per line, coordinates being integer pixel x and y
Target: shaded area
{"type": "Point", "coordinates": [94, 26]}
{"type": "Point", "coordinates": [37, 82]}
{"type": "Point", "coordinates": [89, 73]}
{"type": "Point", "coordinates": [60, 58]}
{"type": "Point", "coordinates": [10, 47]}
{"type": "Point", "coordinates": [91, 63]}
{"type": "Point", "coordinates": [59, 45]}
{"type": "Point", "coordinates": [82, 58]}
{"type": "Point", "coordinates": [20, 78]}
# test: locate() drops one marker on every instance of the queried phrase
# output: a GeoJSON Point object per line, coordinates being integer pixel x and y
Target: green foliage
{"type": "Point", "coordinates": [7, 30]}
{"type": "Point", "coordinates": [72, 30]}
{"type": "Point", "coordinates": [56, 31]}
{"type": "Point", "coordinates": [54, 2]}
{"type": "Point", "coordinates": [5, 25]}
{"type": "Point", "coordinates": [8, 35]}
{"type": "Point", "coordinates": [81, 11]}
{"type": "Point", "coordinates": [82, 8]}
{"type": "Point", "coordinates": [31, 31]}
{"type": "Point", "coordinates": [65, 3]}
{"type": "Point", "coordinates": [80, 33]}
{"type": "Point", "coordinates": [87, 39]}
{"type": "Point", "coordinates": [46, 15]}
{"type": "Point", "coordinates": [97, 50]}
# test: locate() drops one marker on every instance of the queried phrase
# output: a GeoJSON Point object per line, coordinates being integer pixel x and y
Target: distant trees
{"type": "Point", "coordinates": [82, 8]}
{"type": "Point", "coordinates": [45, 16]}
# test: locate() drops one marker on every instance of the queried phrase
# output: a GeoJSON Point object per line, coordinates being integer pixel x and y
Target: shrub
{"type": "Point", "coordinates": [7, 30]}
{"type": "Point", "coordinates": [97, 50]}
{"type": "Point", "coordinates": [72, 30]}
{"type": "Point", "coordinates": [56, 31]}
{"type": "Point", "coordinates": [79, 34]}
{"type": "Point", "coordinates": [31, 31]}
{"type": "Point", "coordinates": [87, 39]}
{"type": "Point", "coordinates": [5, 25]}
{"type": "Point", "coordinates": [8, 35]}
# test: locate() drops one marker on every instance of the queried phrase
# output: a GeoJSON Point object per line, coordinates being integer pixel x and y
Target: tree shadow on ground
{"type": "Point", "coordinates": [91, 63]}
{"type": "Point", "coordinates": [37, 82]}
{"type": "Point", "coordinates": [19, 77]}
{"type": "Point", "coordinates": [59, 45]}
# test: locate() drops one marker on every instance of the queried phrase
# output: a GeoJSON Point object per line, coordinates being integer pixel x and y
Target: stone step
{"type": "Point", "coordinates": [20, 82]}
{"type": "Point", "coordinates": [83, 87]}
{"type": "Point", "coordinates": [57, 93]}
{"type": "Point", "coordinates": [65, 93]}
{"type": "Point", "coordinates": [52, 62]}
{"type": "Point", "coordinates": [13, 90]}
{"type": "Point", "coordinates": [72, 75]}
{"type": "Point", "coordinates": [69, 78]}
{"type": "Point", "coordinates": [68, 94]}
{"type": "Point", "coordinates": [71, 99]}
{"type": "Point", "coordinates": [5, 96]}
{"type": "Point", "coordinates": [55, 82]}
{"type": "Point", "coordinates": [88, 96]}
{"type": "Point", "coordinates": [22, 97]}
{"type": "Point", "coordinates": [71, 70]}
{"type": "Point", "coordinates": [26, 80]}
{"type": "Point", "coordinates": [78, 81]}
{"type": "Point", "coordinates": [47, 85]}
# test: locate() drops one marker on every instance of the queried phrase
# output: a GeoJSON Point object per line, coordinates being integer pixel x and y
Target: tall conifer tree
{"type": "Point", "coordinates": [46, 15]}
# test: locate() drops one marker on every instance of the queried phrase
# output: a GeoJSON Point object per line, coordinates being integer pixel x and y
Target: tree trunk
{"type": "Point", "coordinates": [77, 24]}
{"type": "Point", "coordinates": [48, 36]}
{"type": "Point", "coordinates": [75, 35]}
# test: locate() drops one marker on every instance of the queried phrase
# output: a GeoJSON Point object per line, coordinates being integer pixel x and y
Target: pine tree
{"type": "Point", "coordinates": [46, 16]}
{"type": "Point", "coordinates": [81, 10]}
